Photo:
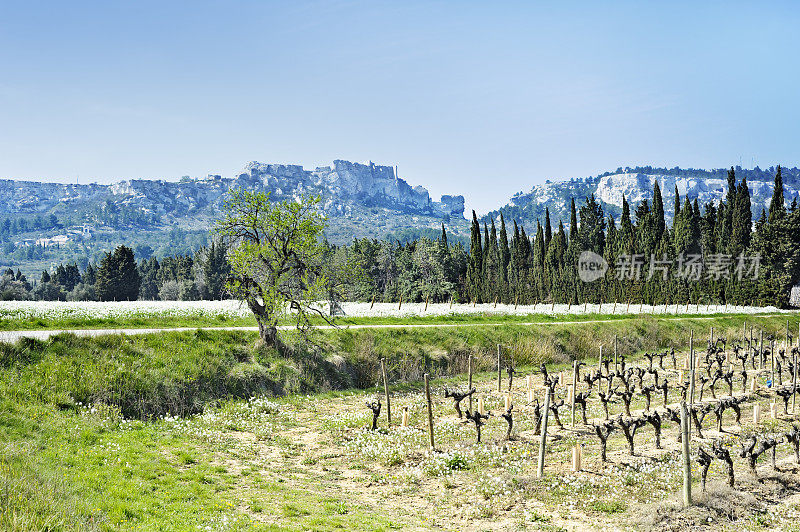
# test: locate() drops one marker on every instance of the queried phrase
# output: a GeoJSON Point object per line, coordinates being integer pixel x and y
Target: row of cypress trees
{"type": "Point", "coordinates": [709, 254]}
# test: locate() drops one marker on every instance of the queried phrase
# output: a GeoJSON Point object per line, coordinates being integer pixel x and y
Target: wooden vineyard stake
{"type": "Point", "coordinates": [469, 384]}
{"type": "Point", "coordinates": [399, 305]}
{"type": "Point", "coordinates": [373, 302]}
{"type": "Point", "coordinates": [426, 303]}
{"type": "Point", "coordinates": [576, 458]}
{"type": "Point", "coordinates": [756, 413]}
{"type": "Point", "coordinates": [451, 301]}
{"type": "Point", "coordinates": [788, 345]}
{"type": "Point", "coordinates": [430, 410]}
{"type": "Point", "coordinates": [754, 383]}
{"type": "Point", "coordinates": [405, 416]}
{"type": "Point", "coordinates": [691, 367]}
{"type": "Point", "coordinates": [495, 302]}
{"type": "Point", "coordinates": [628, 310]}
{"type": "Point", "coordinates": [773, 410]}
{"type": "Point", "coordinates": [574, 387]}
{"type": "Point", "coordinates": [543, 439]}
{"type": "Point", "coordinates": [531, 396]}
{"type": "Point", "coordinates": [761, 351]}
{"type": "Point", "coordinates": [687, 459]}
{"type": "Point", "coordinates": [600, 360]}
{"type": "Point", "coordinates": [616, 365]}
{"type": "Point", "coordinates": [386, 392]}
{"type": "Point", "coordinates": [507, 399]}
{"type": "Point", "coordinates": [499, 371]}
{"type": "Point", "coordinates": [481, 409]}
{"type": "Point", "coordinates": [600, 309]}
{"type": "Point", "coordinates": [794, 383]}
{"type": "Point", "coordinates": [529, 382]}
{"type": "Point", "coordinates": [772, 364]}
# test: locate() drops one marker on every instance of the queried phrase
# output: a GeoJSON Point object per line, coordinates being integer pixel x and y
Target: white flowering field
{"type": "Point", "coordinates": [119, 310]}
{"type": "Point", "coordinates": [158, 314]}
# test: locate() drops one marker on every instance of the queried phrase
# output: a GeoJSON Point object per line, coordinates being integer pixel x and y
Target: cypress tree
{"type": "Point", "coordinates": [626, 231]}
{"type": "Point", "coordinates": [548, 230]}
{"type": "Point", "coordinates": [742, 220]}
{"type": "Point", "coordinates": [505, 253]}
{"type": "Point", "coordinates": [730, 206]}
{"type": "Point", "coordinates": [696, 230]}
{"type": "Point", "coordinates": [658, 211]}
{"type": "Point", "coordinates": [777, 208]}
{"type": "Point", "coordinates": [573, 220]}
{"type": "Point", "coordinates": [677, 208]}
{"type": "Point", "coordinates": [493, 276]}
{"type": "Point", "coordinates": [538, 262]}
{"type": "Point", "coordinates": [475, 263]}
{"type": "Point", "coordinates": [708, 229]}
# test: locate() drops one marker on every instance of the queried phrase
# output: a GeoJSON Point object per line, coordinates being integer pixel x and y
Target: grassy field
{"type": "Point", "coordinates": [208, 430]}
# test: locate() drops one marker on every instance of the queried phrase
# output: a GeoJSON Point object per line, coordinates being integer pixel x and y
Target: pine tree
{"type": "Point", "coordinates": [118, 278]}
{"type": "Point", "coordinates": [215, 271]}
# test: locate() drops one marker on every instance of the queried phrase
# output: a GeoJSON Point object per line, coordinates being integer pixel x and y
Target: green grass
{"type": "Point", "coordinates": [117, 464]}
{"type": "Point", "coordinates": [139, 322]}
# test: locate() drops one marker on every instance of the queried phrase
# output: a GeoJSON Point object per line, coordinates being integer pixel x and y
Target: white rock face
{"type": "Point", "coordinates": [636, 187]}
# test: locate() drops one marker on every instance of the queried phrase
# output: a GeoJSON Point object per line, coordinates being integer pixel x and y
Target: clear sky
{"type": "Point", "coordinates": [477, 98]}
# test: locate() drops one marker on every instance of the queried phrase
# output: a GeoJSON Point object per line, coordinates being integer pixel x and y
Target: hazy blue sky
{"type": "Point", "coordinates": [479, 98]}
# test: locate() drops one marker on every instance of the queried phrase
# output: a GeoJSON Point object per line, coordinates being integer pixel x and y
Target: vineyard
{"type": "Point", "coordinates": [206, 436]}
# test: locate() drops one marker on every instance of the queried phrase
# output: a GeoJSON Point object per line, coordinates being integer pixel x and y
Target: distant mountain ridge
{"type": "Point", "coordinates": [359, 199]}
{"type": "Point", "coordinates": [42, 224]}
{"type": "Point", "coordinates": [344, 182]}
{"type": "Point", "coordinates": [636, 184]}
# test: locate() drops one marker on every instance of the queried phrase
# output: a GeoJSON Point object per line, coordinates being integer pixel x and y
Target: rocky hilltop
{"type": "Point", "coordinates": [344, 188]}
{"type": "Point", "coordinates": [636, 184]}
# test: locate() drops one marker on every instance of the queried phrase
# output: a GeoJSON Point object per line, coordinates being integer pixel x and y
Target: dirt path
{"type": "Point", "coordinates": [13, 336]}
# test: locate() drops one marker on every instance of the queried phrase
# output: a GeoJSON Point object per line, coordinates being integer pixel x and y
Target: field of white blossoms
{"type": "Point", "coordinates": [76, 311]}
